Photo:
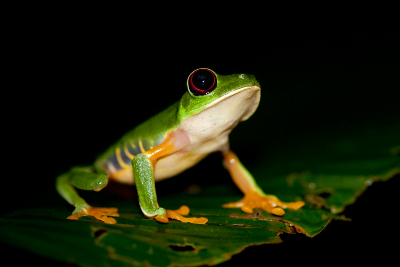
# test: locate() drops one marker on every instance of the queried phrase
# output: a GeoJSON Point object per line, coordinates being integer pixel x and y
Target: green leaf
{"type": "Point", "coordinates": [327, 181]}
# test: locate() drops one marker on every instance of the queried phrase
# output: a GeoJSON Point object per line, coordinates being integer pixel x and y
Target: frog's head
{"type": "Point", "coordinates": [230, 98]}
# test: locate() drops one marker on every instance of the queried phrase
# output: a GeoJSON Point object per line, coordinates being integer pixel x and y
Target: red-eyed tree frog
{"type": "Point", "coordinates": [173, 141]}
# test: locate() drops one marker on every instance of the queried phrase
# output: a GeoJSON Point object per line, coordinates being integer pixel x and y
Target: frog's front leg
{"type": "Point", "coordinates": [143, 172]}
{"type": "Point", "coordinates": [84, 178]}
{"type": "Point", "coordinates": [254, 196]}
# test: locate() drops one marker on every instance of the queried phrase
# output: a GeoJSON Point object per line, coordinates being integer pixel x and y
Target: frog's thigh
{"type": "Point", "coordinates": [86, 179]}
{"type": "Point", "coordinates": [82, 178]}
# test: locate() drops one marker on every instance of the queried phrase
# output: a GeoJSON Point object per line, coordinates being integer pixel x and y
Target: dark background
{"type": "Point", "coordinates": [77, 87]}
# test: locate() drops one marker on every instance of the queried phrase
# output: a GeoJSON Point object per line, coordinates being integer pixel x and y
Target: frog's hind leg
{"type": "Point", "coordinates": [84, 178]}
{"type": "Point", "coordinates": [254, 195]}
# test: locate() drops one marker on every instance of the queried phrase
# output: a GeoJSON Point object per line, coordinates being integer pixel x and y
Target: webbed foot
{"type": "Point", "coordinates": [177, 215]}
{"type": "Point", "coordinates": [101, 214]}
{"type": "Point", "coordinates": [269, 203]}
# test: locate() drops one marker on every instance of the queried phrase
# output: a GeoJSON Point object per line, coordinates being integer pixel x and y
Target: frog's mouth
{"type": "Point", "coordinates": [240, 104]}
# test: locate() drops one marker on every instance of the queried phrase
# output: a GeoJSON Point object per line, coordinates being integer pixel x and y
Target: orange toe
{"type": "Point", "coordinates": [162, 219]}
{"type": "Point", "coordinates": [269, 203]}
{"type": "Point", "coordinates": [183, 210]}
{"type": "Point", "coordinates": [101, 214]}
{"type": "Point", "coordinates": [177, 215]}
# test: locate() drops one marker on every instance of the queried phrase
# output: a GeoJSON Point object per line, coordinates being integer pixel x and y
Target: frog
{"type": "Point", "coordinates": [172, 141]}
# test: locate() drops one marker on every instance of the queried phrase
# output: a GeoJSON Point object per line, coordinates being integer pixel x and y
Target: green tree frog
{"type": "Point", "coordinates": [173, 141]}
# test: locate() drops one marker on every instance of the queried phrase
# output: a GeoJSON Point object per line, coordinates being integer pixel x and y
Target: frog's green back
{"type": "Point", "coordinates": [147, 134]}
{"type": "Point", "coordinates": [153, 131]}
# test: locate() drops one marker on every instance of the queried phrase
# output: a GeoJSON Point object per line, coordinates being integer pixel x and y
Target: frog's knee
{"type": "Point", "coordinates": [100, 182]}
{"type": "Point", "coordinates": [89, 180]}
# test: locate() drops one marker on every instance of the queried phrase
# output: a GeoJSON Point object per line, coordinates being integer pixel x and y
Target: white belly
{"type": "Point", "coordinates": [180, 161]}
{"type": "Point", "coordinates": [208, 132]}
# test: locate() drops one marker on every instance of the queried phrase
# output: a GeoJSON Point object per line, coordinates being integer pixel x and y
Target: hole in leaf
{"type": "Point", "coordinates": [182, 248]}
{"type": "Point", "coordinates": [98, 233]}
{"type": "Point", "coordinates": [239, 225]}
{"type": "Point", "coordinates": [325, 194]}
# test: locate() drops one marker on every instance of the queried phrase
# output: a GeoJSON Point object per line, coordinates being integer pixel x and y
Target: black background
{"type": "Point", "coordinates": [78, 86]}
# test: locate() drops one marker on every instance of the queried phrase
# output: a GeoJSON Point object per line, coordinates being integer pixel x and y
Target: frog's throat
{"type": "Point", "coordinates": [253, 97]}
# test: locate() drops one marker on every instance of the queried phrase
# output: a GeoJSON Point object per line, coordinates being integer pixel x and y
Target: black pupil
{"type": "Point", "coordinates": [203, 79]}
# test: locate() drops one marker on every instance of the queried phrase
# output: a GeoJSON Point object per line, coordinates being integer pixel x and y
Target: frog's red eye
{"type": "Point", "coordinates": [202, 81]}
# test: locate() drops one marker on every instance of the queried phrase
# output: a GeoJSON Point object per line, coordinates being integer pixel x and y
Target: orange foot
{"type": "Point", "coordinates": [269, 203]}
{"type": "Point", "coordinates": [99, 213]}
{"type": "Point", "coordinates": [177, 215]}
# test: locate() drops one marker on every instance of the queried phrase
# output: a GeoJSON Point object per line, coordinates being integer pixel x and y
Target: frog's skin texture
{"type": "Point", "coordinates": [173, 141]}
